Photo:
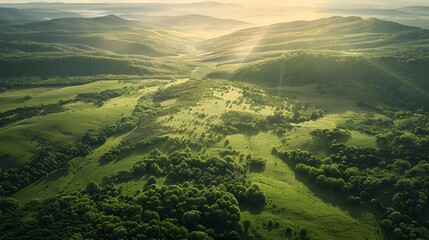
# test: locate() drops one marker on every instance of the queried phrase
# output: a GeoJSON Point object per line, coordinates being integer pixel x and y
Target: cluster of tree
{"type": "Point", "coordinates": [158, 212]}
{"type": "Point", "coordinates": [325, 137]}
{"type": "Point", "coordinates": [257, 97]}
{"type": "Point", "coordinates": [180, 167]}
{"type": "Point", "coordinates": [301, 234]}
{"type": "Point", "coordinates": [98, 137]}
{"type": "Point", "coordinates": [21, 113]}
{"type": "Point", "coordinates": [367, 123]}
{"type": "Point", "coordinates": [393, 180]}
{"type": "Point", "coordinates": [169, 144]}
{"type": "Point", "coordinates": [409, 134]}
{"type": "Point", "coordinates": [125, 147]}
{"type": "Point", "coordinates": [408, 127]}
{"type": "Point", "coordinates": [100, 98]}
{"type": "Point", "coordinates": [285, 112]}
{"type": "Point", "coordinates": [187, 93]}
{"type": "Point", "coordinates": [280, 121]}
{"type": "Point", "coordinates": [25, 98]}
{"type": "Point", "coordinates": [234, 122]}
{"type": "Point", "coordinates": [254, 164]}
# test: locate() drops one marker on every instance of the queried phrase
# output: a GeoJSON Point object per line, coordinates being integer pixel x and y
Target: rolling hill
{"type": "Point", "coordinates": [13, 16]}
{"type": "Point", "coordinates": [199, 23]}
{"type": "Point", "coordinates": [89, 46]}
{"type": "Point", "coordinates": [334, 33]}
{"type": "Point", "coordinates": [79, 24]}
{"type": "Point", "coordinates": [382, 55]}
{"type": "Point", "coordinates": [413, 15]}
{"type": "Point", "coordinates": [110, 33]}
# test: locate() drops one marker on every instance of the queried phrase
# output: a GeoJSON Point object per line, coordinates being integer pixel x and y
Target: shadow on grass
{"type": "Point", "coordinates": [56, 175]}
{"type": "Point", "coordinates": [255, 210]}
{"type": "Point", "coordinates": [335, 198]}
{"type": "Point", "coordinates": [257, 169]}
{"type": "Point", "coordinates": [128, 153]}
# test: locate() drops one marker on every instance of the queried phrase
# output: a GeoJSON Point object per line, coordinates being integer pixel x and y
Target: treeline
{"type": "Point", "coordinates": [64, 66]}
{"type": "Point", "coordinates": [235, 122]}
{"type": "Point", "coordinates": [101, 97]}
{"type": "Point", "coordinates": [28, 112]}
{"type": "Point", "coordinates": [37, 81]}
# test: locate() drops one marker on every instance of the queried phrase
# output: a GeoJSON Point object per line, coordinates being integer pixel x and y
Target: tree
{"type": "Point", "coordinates": [387, 224]}
{"type": "Point", "coordinates": [119, 232]}
{"type": "Point", "coordinates": [274, 151]}
{"type": "Point", "coordinates": [197, 235]}
{"type": "Point", "coordinates": [303, 233]}
{"type": "Point", "coordinates": [149, 215]}
{"type": "Point", "coordinates": [8, 204]}
{"type": "Point", "coordinates": [151, 181]}
{"type": "Point", "coordinates": [27, 97]}
{"type": "Point", "coordinates": [246, 225]}
{"type": "Point", "coordinates": [288, 232]}
{"type": "Point", "coordinates": [92, 187]}
{"type": "Point", "coordinates": [382, 142]}
{"type": "Point", "coordinates": [190, 219]}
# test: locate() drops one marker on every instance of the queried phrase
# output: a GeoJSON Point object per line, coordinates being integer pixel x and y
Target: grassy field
{"type": "Point", "coordinates": [290, 201]}
{"type": "Point", "coordinates": [87, 168]}
{"type": "Point", "coordinates": [20, 140]}
{"type": "Point", "coordinates": [49, 95]}
{"type": "Point", "coordinates": [278, 181]}
{"type": "Point", "coordinates": [292, 204]}
{"type": "Point", "coordinates": [84, 170]}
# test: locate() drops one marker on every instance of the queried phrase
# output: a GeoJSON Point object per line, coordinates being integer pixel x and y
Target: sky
{"type": "Point", "coordinates": [252, 3]}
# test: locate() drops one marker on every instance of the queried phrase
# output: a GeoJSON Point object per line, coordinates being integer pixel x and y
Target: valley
{"type": "Point", "coordinates": [151, 128]}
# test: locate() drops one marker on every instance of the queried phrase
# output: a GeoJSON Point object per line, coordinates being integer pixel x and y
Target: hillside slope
{"type": "Point", "coordinates": [334, 34]}
{"type": "Point", "coordinates": [110, 33]}
{"type": "Point", "coordinates": [384, 56]}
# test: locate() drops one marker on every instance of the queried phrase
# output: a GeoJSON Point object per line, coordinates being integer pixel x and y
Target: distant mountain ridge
{"type": "Point", "coordinates": [78, 24]}
{"type": "Point", "coordinates": [22, 16]}
{"type": "Point", "coordinates": [412, 15]}
{"type": "Point", "coordinates": [198, 22]}
{"type": "Point", "coordinates": [110, 32]}
{"type": "Point", "coordinates": [334, 33]}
